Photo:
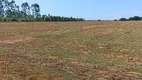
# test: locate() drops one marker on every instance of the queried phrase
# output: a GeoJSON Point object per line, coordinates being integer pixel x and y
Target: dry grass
{"type": "Point", "coordinates": [71, 51]}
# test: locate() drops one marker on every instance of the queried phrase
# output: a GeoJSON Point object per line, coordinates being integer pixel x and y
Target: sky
{"type": "Point", "coordinates": [89, 9]}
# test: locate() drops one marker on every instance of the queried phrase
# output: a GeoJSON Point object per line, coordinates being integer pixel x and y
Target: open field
{"type": "Point", "coordinates": [71, 51]}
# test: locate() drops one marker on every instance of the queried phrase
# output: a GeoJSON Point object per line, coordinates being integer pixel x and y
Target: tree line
{"type": "Point", "coordinates": [10, 12]}
{"type": "Point", "coordinates": [135, 18]}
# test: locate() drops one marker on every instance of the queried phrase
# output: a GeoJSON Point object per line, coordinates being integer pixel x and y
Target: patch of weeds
{"type": "Point", "coordinates": [60, 53]}
{"type": "Point", "coordinates": [104, 62]}
{"type": "Point", "coordinates": [3, 34]}
{"type": "Point", "coordinates": [94, 76]}
{"type": "Point", "coordinates": [67, 76]}
{"type": "Point", "coordinates": [138, 69]}
{"type": "Point", "coordinates": [88, 59]}
{"type": "Point", "coordinates": [57, 34]}
{"type": "Point", "coordinates": [65, 54]}
{"type": "Point", "coordinates": [50, 36]}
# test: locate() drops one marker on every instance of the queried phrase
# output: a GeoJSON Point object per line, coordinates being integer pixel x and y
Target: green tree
{"type": "Point", "coordinates": [135, 18]}
{"type": "Point", "coordinates": [123, 19]}
{"type": "Point", "coordinates": [35, 10]}
{"type": "Point", "coordinates": [11, 9]}
{"type": "Point", "coordinates": [25, 10]}
{"type": "Point", "coordinates": [1, 8]}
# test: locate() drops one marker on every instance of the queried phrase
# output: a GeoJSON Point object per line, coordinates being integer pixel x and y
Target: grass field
{"type": "Point", "coordinates": [71, 51]}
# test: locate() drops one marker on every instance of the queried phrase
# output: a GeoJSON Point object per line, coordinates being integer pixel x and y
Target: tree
{"type": "Point", "coordinates": [11, 9]}
{"type": "Point", "coordinates": [135, 18]}
{"type": "Point", "coordinates": [17, 12]}
{"type": "Point", "coordinates": [44, 17]}
{"type": "Point", "coordinates": [1, 8]}
{"type": "Point", "coordinates": [25, 10]}
{"type": "Point", "coordinates": [115, 19]}
{"type": "Point", "coordinates": [35, 10]}
{"type": "Point", "coordinates": [123, 19]}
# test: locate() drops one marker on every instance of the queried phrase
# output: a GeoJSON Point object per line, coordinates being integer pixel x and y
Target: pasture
{"type": "Point", "coordinates": [71, 51]}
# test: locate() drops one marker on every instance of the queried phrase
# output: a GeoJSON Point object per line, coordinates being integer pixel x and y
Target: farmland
{"type": "Point", "coordinates": [71, 51]}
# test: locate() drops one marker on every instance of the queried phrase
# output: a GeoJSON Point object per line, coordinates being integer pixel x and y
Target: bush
{"type": "Point", "coordinates": [123, 19]}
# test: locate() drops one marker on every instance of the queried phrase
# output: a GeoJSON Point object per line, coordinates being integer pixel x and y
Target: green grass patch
{"type": "Point", "coordinates": [50, 36]}
{"type": "Point", "coordinates": [94, 76]}
{"type": "Point", "coordinates": [59, 53]}
{"type": "Point", "coordinates": [67, 75]}
{"type": "Point", "coordinates": [138, 69]}
{"type": "Point", "coordinates": [104, 62]}
{"type": "Point", "coordinates": [80, 57]}
{"type": "Point", "coordinates": [57, 34]}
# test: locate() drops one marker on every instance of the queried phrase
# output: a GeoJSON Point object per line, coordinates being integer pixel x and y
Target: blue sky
{"type": "Point", "coordinates": [89, 9]}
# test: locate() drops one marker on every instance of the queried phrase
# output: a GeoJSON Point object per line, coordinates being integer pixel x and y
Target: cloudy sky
{"type": "Point", "coordinates": [89, 9]}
